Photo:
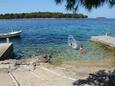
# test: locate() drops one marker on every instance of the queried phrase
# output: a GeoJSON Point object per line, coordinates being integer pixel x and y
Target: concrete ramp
{"type": "Point", "coordinates": [6, 51]}
{"type": "Point", "coordinates": [5, 80]}
{"type": "Point", "coordinates": [41, 77]}
{"type": "Point", "coordinates": [106, 40]}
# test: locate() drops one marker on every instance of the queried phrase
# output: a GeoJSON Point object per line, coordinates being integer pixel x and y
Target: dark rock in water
{"type": "Point", "coordinates": [100, 78]}
{"type": "Point", "coordinates": [47, 58]}
{"type": "Point", "coordinates": [44, 58]}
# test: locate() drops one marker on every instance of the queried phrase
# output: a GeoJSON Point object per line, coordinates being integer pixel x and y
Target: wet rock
{"type": "Point", "coordinates": [100, 78]}
{"type": "Point", "coordinates": [44, 58]}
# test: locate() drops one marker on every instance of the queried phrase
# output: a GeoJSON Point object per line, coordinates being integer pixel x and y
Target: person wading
{"type": "Point", "coordinates": [81, 49]}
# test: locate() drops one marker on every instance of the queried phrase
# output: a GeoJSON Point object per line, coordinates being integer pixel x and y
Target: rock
{"type": "Point", "coordinates": [100, 78]}
{"type": "Point", "coordinates": [44, 58]}
{"type": "Point", "coordinates": [112, 78]}
{"type": "Point", "coordinates": [80, 82]}
{"type": "Point", "coordinates": [87, 85]}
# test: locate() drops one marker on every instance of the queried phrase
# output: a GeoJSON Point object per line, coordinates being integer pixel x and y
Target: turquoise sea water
{"type": "Point", "coordinates": [49, 36]}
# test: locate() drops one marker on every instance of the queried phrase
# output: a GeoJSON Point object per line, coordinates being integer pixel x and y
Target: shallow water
{"type": "Point", "coordinates": [49, 36]}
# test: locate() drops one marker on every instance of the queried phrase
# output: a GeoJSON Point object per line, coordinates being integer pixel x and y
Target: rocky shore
{"type": "Point", "coordinates": [100, 78]}
{"type": "Point", "coordinates": [39, 71]}
{"type": "Point", "coordinates": [34, 61]}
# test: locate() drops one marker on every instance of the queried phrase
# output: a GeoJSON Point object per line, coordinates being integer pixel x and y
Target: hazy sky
{"type": "Point", "coordinates": [16, 6]}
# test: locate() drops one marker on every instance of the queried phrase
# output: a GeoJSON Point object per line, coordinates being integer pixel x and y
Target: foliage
{"type": "Point", "coordinates": [88, 4]}
{"type": "Point", "coordinates": [41, 15]}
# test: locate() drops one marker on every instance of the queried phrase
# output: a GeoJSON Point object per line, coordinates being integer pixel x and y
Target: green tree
{"type": "Point", "coordinates": [41, 15]}
{"type": "Point", "coordinates": [87, 4]}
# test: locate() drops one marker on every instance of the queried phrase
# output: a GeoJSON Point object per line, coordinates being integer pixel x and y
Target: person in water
{"type": "Point", "coordinates": [81, 49]}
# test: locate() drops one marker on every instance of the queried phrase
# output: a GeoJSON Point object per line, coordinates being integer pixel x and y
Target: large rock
{"type": "Point", "coordinates": [100, 78]}
{"type": "Point", "coordinates": [43, 58]}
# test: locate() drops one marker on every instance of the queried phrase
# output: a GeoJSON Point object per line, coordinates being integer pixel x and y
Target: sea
{"type": "Point", "coordinates": [50, 36]}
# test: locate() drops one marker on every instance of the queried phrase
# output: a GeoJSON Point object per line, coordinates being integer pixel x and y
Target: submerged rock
{"type": "Point", "coordinates": [44, 58]}
{"type": "Point", "coordinates": [100, 78]}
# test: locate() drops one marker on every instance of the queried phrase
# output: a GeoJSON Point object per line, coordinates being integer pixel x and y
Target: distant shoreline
{"type": "Point", "coordinates": [46, 18]}
{"type": "Point", "coordinates": [41, 15]}
{"type": "Point", "coordinates": [55, 18]}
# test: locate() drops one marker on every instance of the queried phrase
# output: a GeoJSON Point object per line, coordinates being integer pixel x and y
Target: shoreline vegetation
{"type": "Point", "coordinates": [41, 15]}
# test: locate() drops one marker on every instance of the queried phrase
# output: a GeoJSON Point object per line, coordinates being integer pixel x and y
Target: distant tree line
{"type": "Point", "coordinates": [41, 15]}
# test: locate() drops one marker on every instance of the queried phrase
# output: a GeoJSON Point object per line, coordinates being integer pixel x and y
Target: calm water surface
{"type": "Point", "coordinates": [49, 36]}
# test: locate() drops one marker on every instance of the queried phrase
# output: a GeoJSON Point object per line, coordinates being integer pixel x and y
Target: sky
{"type": "Point", "coordinates": [20, 6]}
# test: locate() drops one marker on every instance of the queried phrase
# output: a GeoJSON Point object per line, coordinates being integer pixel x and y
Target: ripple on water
{"type": "Point", "coordinates": [50, 37]}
